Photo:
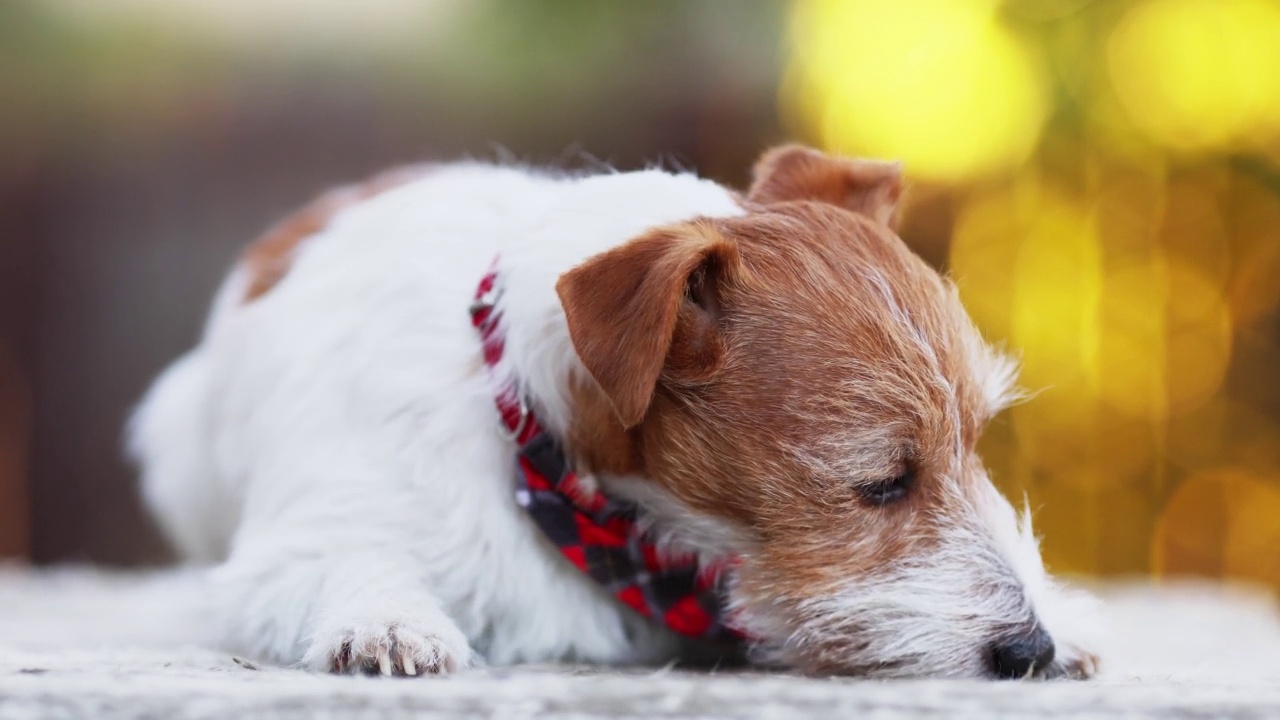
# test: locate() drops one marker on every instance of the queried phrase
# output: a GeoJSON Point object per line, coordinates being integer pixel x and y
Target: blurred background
{"type": "Point", "coordinates": [1101, 177]}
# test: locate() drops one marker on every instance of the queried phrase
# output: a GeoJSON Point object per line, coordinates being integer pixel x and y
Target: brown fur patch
{"type": "Point", "coordinates": [759, 369]}
{"type": "Point", "coordinates": [814, 348]}
{"type": "Point", "coordinates": [641, 310]}
{"type": "Point", "coordinates": [599, 442]}
{"type": "Point", "coordinates": [793, 172]}
{"type": "Point", "coordinates": [268, 259]}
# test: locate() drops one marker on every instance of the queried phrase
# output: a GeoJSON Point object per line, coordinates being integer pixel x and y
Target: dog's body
{"type": "Point", "coordinates": [333, 443]}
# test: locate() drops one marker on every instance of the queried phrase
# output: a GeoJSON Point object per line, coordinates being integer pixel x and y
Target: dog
{"type": "Point", "coordinates": [471, 413]}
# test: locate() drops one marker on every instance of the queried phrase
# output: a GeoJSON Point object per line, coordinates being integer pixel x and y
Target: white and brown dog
{"type": "Point", "coordinates": [469, 413]}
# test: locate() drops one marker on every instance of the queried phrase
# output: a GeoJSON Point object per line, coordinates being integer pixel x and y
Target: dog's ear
{"type": "Point", "coordinates": [794, 172]}
{"type": "Point", "coordinates": [649, 310]}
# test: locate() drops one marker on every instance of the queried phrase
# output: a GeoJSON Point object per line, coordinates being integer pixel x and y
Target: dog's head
{"type": "Point", "coordinates": [794, 388]}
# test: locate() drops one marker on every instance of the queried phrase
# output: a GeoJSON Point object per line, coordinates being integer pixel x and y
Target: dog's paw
{"type": "Point", "coordinates": [400, 649]}
{"type": "Point", "coordinates": [1076, 663]}
{"type": "Point", "coordinates": [1075, 620]}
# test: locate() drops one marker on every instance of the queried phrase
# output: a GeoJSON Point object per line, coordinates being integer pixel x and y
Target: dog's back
{"type": "Point", "coordinates": [174, 432]}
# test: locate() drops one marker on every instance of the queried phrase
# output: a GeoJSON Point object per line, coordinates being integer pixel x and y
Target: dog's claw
{"type": "Point", "coordinates": [392, 650]}
{"type": "Point", "coordinates": [1089, 666]}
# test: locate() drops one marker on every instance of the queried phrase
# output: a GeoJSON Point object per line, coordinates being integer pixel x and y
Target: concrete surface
{"type": "Point", "coordinates": [1180, 651]}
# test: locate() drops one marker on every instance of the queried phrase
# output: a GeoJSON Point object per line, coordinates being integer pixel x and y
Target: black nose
{"type": "Point", "coordinates": [1020, 655]}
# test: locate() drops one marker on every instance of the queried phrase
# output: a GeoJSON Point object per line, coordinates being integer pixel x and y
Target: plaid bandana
{"type": "Point", "coordinates": [596, 533]}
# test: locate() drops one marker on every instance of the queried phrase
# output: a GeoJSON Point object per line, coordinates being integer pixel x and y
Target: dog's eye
{"type": "Point", "coordinates": [887, 492]}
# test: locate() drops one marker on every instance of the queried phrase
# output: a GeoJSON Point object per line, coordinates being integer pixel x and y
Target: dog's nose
{"type": "Point", "coordinates": [1020, 655]}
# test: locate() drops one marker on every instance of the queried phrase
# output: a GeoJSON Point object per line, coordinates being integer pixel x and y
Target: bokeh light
{"type": "Point", "coordinates": [943, 85]}
{"type": "Point", "coordinates": [1199, 74]}
{"type": "Point", "coordinates": [1100, 177]}
{"type": "Point", "coordinates": [1221, 523]}
{"type": "Point", "coordinates": [1109, 177]}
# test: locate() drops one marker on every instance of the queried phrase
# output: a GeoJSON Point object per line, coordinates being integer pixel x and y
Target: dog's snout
{"type": "Point", "coordinates": [1022, 654]}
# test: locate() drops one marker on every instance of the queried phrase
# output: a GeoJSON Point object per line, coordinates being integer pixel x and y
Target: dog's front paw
{"type": "Point", "coordinates": [393, 649]}
{"type": "Point", "coordinates": [1075, 621]}
{"type": "Point", "coordinates": [1076, 663]}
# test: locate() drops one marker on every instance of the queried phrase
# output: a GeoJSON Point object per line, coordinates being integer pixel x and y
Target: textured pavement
{"type": "Point", "coordinates": [1173, 652]}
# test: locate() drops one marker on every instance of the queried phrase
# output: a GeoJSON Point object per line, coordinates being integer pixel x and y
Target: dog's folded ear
{"type": "Point", "coordinates": [793, 172]}
{"type": "Point", "coordinates": [649, 310]}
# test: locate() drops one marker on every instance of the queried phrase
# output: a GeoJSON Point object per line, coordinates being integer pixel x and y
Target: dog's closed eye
{"type": "Point", "coordinates": [888, 491]}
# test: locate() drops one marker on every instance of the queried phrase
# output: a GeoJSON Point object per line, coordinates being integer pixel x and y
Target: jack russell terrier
{"type": "Point", "coordinates": [468, 414]}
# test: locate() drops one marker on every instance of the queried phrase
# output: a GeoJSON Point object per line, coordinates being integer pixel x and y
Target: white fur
{"type": "Point", "coordinates": [335, 443]}
{"type": "Point", "coordinates": [935, 614]}
{"type": "Point", "coordinates": [334, 448]}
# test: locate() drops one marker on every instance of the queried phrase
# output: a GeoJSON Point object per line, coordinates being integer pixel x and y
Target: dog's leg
{"type": "Point", "coordinates": [366, 625]}
{"type": "Point", "coordinates": [328, 578]}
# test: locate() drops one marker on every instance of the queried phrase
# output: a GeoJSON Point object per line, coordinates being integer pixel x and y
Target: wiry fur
{"type": "Point", "coordinates": [333, 446]}
{"type": "Point", "coordinates": [934, 613]}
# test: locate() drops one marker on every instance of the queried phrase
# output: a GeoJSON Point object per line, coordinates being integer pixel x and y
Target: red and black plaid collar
{"type": "Point", "coordinates": [596, 533]}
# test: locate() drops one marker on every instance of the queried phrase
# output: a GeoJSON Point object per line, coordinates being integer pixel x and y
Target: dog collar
{"type": "Point", "coordinates": [596, 533]}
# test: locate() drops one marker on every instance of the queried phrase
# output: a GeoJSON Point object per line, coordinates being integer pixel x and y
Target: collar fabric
{"type": "Point", "coordinates": [596, 533]}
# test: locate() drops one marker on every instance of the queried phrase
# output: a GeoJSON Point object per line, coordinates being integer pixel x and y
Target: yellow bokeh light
{"type": "Point", "coordinates": [1029, 270]}
{"type": "Point", "coordinates": [941, 84]}
{"type": "Point", "coordinates": [1168, 337]}
{"type": "Point", "coordinates": [1199, 74]}
{"type": "Point", "coordinates": [1253, 290]}
{"type": "Point", "coordinates": [1198, 344]}
{"type": "Point", "coordinates": [1029, 264]}
{"type": "Point", "coordinates": [1221, 523]}
{"type": "Point", "coordinates": [1057, 291]}
{"type": "Point", "coordinates": [984, 248]}
{"type": "Point", "coordinates": [1117, 331]}
{"type": "Point", "coordinates": [1028, 261]}
{"type": "Point", "coordinates": [1130, 277]}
